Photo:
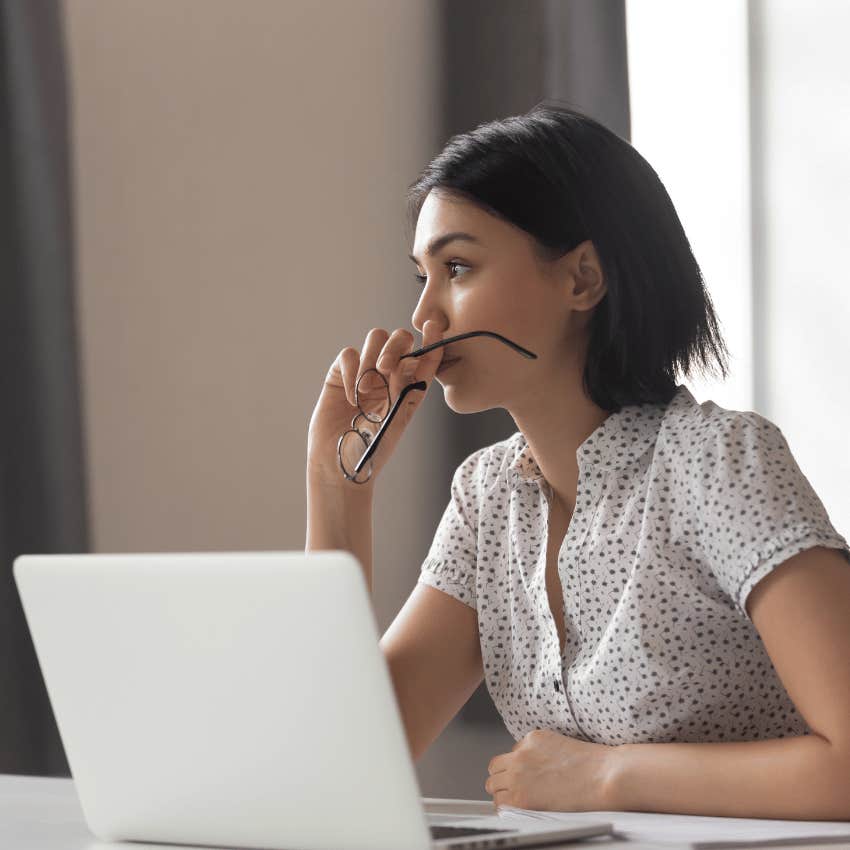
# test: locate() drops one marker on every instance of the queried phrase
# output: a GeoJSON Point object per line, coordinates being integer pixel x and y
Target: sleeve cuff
{"type": "Point", "coordinates": [788, 543]}
{"type": "Point", "coordinates": [443, 577]}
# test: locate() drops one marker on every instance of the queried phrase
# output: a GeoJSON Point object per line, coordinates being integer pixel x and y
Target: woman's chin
{"type": "Point", "coordinates": [461, 402]}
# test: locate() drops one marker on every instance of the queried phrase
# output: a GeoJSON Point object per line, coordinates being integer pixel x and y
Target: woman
{"type": "Point", "coordinates": [611, 569]}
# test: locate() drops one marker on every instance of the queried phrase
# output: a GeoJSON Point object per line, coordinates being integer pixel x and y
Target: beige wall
{"type": "Point", "coordinates": [240, 170]}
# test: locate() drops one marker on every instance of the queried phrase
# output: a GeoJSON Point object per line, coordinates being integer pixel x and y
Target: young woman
{"type": "Point", "coordinates": [652, 591]}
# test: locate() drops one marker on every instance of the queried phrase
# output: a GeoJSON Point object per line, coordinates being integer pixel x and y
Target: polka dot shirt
{"type": "Point", "coordinates": [680, 510]}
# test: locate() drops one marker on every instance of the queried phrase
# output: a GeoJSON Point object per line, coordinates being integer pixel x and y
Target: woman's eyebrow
{"type": "Point", "coordinates": [442, 241]}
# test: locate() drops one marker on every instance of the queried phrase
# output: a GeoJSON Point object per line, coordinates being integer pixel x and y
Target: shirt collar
{"type": "Point", "coordinates": [620, 441]}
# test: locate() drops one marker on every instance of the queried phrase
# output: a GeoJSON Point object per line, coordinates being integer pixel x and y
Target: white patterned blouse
{"type": "Point", "coordinates": [681, 509]}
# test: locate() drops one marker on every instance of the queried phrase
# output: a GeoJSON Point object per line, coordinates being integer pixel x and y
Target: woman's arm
{"type": "Point", "coordinates": [341, 518]}
{"type": "Point", "coordinates": [801, 613]}
{"type": "Point", "coordinates": [435, 662]}
{"type": "Point", "coordinates": [431, 647]}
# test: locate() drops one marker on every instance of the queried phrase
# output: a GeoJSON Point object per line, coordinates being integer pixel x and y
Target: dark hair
{"type": "Point", "coordinates": [563, 178]}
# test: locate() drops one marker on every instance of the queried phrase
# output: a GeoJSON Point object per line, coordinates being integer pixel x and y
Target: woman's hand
{"type": "Point", "coordinates": [336, 406]}
{"type": "Point", "coordinates": [547, 771]}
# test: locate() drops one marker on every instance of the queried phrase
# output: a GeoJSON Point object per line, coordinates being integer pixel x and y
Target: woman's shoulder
{"type": "Point", "coordinates": [695, 430]}
{"type": "Point", "coordinates": [486, 467]}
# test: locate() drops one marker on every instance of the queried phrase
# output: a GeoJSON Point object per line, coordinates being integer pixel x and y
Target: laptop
{"type": "Point", "coordinates": [237, 700]}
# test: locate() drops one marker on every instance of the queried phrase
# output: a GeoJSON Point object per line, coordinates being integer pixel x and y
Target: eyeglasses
{"type": "Point", "coordinates": [373, 401]}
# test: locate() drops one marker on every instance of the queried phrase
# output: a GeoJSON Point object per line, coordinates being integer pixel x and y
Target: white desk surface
{"type": "Point", "coordinates": [38, 813]}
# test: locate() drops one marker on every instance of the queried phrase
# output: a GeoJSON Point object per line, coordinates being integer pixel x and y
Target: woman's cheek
{"type": "Point", "coordinates": [481, 310]}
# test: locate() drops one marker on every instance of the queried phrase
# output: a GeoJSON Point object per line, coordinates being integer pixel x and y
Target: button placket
{"type": "Point", "coordinates": [551, 676]}
{"type": "Point", "coordinates": [565, 716]}
{"type": "Point", "coordinates": [569, 556]}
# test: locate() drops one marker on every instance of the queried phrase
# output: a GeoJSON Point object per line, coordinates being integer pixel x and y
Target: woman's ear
{"type": "Point", "coordinates": [585, 276]}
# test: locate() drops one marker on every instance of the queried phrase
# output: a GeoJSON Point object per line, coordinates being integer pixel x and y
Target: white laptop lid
{"type": "Point", "coordinates": [204, 698]}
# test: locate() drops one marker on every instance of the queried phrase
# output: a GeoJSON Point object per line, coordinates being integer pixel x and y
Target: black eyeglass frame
{"type": "Point", "coordinates": [372, 445]}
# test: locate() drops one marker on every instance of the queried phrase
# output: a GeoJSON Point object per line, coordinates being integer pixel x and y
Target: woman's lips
{"type": "Point", "coordinates": [447, 363]}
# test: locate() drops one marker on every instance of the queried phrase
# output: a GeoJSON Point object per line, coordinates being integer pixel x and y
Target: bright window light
{"type": "Point", "coordinates": [689, 90]}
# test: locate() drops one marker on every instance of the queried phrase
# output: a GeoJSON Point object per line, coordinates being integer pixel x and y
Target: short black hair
{"type": "Point", "coordinates": [564, 178]}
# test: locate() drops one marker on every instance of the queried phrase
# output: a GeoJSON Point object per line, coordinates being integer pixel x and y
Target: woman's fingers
{"type": "Point", "coordinates": [383, 351]}
{"type": "Point", "coordinates": [397, 371]}
{"type": "Point", "coordinates": [349, 360]}
{"type": "Point", "coordinates": [375, 341]}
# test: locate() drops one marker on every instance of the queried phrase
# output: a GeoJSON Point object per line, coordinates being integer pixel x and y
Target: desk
{"type": "Point", "coordinates": [44, 814]}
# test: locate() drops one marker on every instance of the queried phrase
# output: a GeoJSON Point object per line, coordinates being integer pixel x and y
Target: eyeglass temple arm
{"type": "Point", "coordinates": [419, 385]}
{"type": "Point", "coordinates": [515, 346]}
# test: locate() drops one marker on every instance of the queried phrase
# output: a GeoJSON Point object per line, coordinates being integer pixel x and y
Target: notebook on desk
{"type": "Point", "coordinates": [698, 832]}
{"type": "Point", "coordinates": [238, 700]}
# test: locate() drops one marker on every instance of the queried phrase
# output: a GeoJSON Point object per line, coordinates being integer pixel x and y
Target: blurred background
{"type": "Point", "coordinates": [202, 202]}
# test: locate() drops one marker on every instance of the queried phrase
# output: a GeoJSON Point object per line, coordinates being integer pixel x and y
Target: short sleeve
{"type": "Point", "coordinates": [450, 563]}
{"type": "Point", "coordinates": [755, 507]}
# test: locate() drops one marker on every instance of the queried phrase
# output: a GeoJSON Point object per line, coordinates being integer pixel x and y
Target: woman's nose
{"type": "Point", "coordinates": [429, 306]}
{"type": "Point", "coordinates": [420, 316]}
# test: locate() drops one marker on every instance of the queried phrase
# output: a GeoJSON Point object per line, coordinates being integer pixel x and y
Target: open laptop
{"type": "Point", "coordinates": [239, 700]}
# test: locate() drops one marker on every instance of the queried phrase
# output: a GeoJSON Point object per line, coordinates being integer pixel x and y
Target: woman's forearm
{"type": "Point", "coordinates": [804, 777]}
{"type": "Point", "coordinates": [341, 518]}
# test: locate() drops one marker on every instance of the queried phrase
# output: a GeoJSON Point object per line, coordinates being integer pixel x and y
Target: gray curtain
{"type": "Point", "coordinates": [500, 58]}
{"type": "Point", "coordinates": [42, 492]}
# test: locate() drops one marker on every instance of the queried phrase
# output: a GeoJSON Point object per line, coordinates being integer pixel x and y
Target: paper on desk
{"type": "Point", "coordinates": [701, 833]}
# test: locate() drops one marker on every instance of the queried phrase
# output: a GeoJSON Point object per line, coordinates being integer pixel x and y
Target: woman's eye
{"type": "Point", "coordinates": [421, 278]}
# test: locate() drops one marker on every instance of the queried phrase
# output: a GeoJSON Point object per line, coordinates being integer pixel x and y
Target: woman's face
{"type": "Point", "coordinates": [497, 283]}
